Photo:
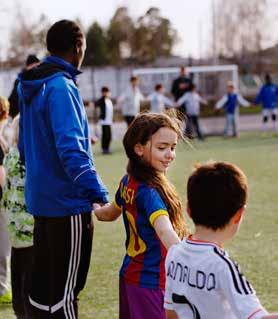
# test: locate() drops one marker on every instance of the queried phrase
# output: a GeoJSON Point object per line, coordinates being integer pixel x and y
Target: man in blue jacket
{"type": "Point", "coordinates": [61, 181]}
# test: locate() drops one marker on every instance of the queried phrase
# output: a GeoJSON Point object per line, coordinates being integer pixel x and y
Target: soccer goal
{"type": "Point", "coordinates": [210, 80]}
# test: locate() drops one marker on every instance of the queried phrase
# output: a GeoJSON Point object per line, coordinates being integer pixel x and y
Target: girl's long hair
{"type": "Point", "coordinates": [140, 131]}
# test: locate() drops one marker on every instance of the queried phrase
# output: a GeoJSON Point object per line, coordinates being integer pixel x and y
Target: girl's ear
{"type": "Point", "coordinates": [138, 149]}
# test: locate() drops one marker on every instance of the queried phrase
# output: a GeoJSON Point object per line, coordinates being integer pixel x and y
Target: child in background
{"type": "Point", "coordinates": [158, 101]}
{"type": "Point", "coordinates": [230, 102]}
{"type": "Point", "coordinates": [202, 280]}
{"type": "Point", "coordinates": [20, 226]}
{"type": "Point", "coordinates": [106, 119]}
{"type": "Point", "coordinates": [152, 214]}
{"type": "Point", "coordinates": [130, 100]}
{"type": "Point", "coordinates": [192, 100]}
{"type": "Point", "coordinates": [5, 292]}
{"type": "Point", "coordinates": [268, 96]}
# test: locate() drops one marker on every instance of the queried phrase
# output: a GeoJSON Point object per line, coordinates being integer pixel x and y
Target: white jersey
{"type": "Point", "coordinates": [192, 102]}
{"type": "Point", "coordinates": [108, 113]}
{"type": "Point", "coordinates": [202, 282]}
{"type": "Point", "coordinates": [130, 101]}
{"type": "Point", "coordinates": [158, 102]}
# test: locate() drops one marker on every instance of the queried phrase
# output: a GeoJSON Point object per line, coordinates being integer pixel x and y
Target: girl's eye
{"type": "Point", "coordinates": [173, 148]}
{"type": "Point", "coordinates": [161, 148]}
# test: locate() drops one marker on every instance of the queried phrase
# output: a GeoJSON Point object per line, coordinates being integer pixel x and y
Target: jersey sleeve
{"type": "Point", "coordinates": [168, 300]}
{"type": "Point", "coordinates": [239, 292]}
{"type": "Point", "coordinates": [118, 200]}
{"type": "Point", "coordinates": [150, 202]}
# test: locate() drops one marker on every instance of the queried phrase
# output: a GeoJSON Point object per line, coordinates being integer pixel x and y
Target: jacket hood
{"type": "Point", "coordinates": [32, 80]}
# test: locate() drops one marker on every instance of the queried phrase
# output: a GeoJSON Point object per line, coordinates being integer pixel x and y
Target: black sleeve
{"type": "Point", "coordinates": [1, 156]}
{"type": "Point", "coordinates": [13, 99]}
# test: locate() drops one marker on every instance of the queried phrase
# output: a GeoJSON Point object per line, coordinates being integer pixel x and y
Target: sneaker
{"type": "Point", "coordinates": [6, 299]}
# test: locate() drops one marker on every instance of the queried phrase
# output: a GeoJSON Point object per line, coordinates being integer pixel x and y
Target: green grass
{"type": "Point", "coordinates": [255, 247]}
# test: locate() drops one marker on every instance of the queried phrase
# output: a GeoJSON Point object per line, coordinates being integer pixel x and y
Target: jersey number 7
{"type": "Point", "coordinates": [178, 299]}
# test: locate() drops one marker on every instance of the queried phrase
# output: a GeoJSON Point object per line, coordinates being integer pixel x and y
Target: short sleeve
{"type": "Point", "coordinates": [239, 293]}
{"type": "Point", "coordinates": [118, 200]}
{"type": "Point", "coordinates": [150, 202]}
{"type": "Point", "coordinates": [168, 300]}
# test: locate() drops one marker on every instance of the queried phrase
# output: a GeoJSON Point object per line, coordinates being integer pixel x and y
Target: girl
{"type": "Point", "coordinates": [151, 211]}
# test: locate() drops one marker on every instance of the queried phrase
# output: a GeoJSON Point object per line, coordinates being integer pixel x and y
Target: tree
{"type": "Point", "coordinates": [97, 49]}
{"type": "Point", "coordinates": [119, 35]}
{"type": "Point", "coordinates": [240, 28]}
{"type": "Point", "coordinates": [27, 38]}
{"type": "Point", "coordinates": [154, 36]}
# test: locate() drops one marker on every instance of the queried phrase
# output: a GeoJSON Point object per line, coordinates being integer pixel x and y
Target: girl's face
{"type": "Point", "coordinates": [160, 150]}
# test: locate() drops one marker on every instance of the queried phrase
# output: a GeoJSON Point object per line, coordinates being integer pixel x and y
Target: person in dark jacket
{"type": "Point", "coordinates": [105, 119]}
{"type": "Point", "coordinates": [31, 62]}
{"type": "Point", "coordinates": [61, 181]}
{"type": "Point", "coordinates": [268, 98]}
{"type": "Point", "coordinates": [180, 86]}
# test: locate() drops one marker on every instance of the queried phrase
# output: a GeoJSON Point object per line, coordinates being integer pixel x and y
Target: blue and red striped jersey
{"type": "Point", "coordinates": [144, 261]}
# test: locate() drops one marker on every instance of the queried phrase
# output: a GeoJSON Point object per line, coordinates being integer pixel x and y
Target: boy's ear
{"type": "Point", "coordinates": [188, 210]}
{"type": "Point", "coordinates": [138, 149]}
{"type": "Point", "coordinates": [238, 216]}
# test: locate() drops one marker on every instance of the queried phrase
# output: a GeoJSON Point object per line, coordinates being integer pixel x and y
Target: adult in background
{"type": "Point", "coordinates": [31, 62]}
{"type": "Point", "coordinates": [180, 86]}
{"type": "Point", "coordinates": [130, 100]}
{"type": "Point", "coordinates": [61, 181]}
{"type": "Point", "coordinates": [268, 96]}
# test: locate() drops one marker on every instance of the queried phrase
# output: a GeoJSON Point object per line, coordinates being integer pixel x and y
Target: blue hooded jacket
{"type": "Point", "coordinates": [54, 143]}
{"type": "Point", "coordinates": [267, 96]}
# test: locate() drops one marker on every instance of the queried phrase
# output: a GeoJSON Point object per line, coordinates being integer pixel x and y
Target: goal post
{"type": "Point", "coordinates": [211, 80]}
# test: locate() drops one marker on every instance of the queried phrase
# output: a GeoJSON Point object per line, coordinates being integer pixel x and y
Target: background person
{"type": "Point", "coordinates": [130, 100]}
{"type": "Point", "coordinates": [158, 101]}
{"type": "Point", "coordinates": [230, 102]}
{"type": "Point", "coordinates": [105, 119]}
{"type": "Point", "coordinates": [267, 97]}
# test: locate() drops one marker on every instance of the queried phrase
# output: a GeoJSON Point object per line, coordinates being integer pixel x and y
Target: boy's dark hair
{"type": "Point", "coordinates": [215, 192]}
{"type": "Point", "coordinates": [268, 79]}
{"type": "Point", "coordinates": [158, 87]}
{"type": "Point", "coordinates": [63, 36]}
{"type": "Point", "coordinates": [105, 89]}
{"type": "Point", "coordinates": [133, 78]}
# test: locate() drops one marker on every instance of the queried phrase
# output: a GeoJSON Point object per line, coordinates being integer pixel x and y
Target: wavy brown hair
{"type": "Point", "coordinates": [140, 131]}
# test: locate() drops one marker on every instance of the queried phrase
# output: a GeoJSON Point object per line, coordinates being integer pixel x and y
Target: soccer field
{"type": "Point", "coordinates": [255, 247]}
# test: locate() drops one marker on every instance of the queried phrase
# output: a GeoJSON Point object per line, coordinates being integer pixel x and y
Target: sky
{"type": "Point", "coordinates": [190, 18]}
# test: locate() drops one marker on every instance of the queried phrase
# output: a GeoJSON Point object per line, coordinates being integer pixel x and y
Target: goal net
{"type": "Point", "coordinates": [210, 80]}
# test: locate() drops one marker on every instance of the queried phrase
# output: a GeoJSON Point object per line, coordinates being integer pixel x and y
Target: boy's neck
{"type": "Point", "coordinates": [218, 237]}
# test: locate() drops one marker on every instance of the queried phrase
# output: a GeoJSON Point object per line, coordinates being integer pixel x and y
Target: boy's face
{"type": "Point", "coordinates": [161, 90]}
{"type": "Point", "coordinates": [230, 89]}
{"type": "Point", "coordinates": [106, 93]}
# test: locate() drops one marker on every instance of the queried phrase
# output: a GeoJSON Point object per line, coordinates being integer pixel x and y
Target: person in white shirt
{"type": "Point", "coordinates": [130, 100]}
{"type": "Point", "coordinates": [106, 119]}
{"type": "Point", "coordinates": [202, 281]}
{"type": "Point", "coordinates": [192, 100]}
{"type": "Point", "coordinates": [158, 101]}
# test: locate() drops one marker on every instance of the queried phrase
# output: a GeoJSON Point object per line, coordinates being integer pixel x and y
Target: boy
{"type": "Point", "coordinates": [230, 101]}
{"type": "Point", "coordinates": [158, 100]}
{"type": "Point", "coordinates": [130, 100]}
{"type": "Point", "coordinates": [202, 281]}
{"type": "Point", "coordinates": [106, 118]}
{"type": "Point", "coordinates": [192, 100]}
